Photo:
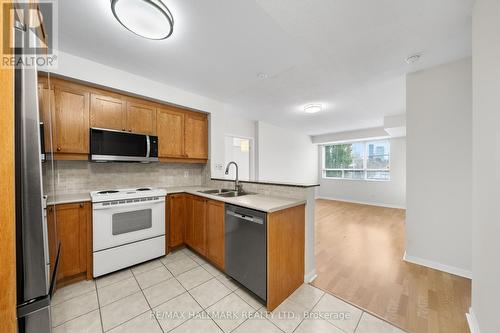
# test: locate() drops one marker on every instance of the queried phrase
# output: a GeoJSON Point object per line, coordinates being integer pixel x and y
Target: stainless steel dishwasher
{"type": "Point", "coordinates": [246, 248]}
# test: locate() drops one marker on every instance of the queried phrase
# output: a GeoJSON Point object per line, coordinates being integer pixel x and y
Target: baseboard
{"type": "Point", "coordinates": [440, 267]}
{"type": "Point", "coordinates": [309, 277]}
{"type": "Point", "coordinates": [472, 321]}
{"type": "Point", "coordinates": [362, 202]}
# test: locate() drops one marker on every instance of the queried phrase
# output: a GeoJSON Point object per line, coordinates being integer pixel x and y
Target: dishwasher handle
{"type": "Point", "coordinates": [248, 218]}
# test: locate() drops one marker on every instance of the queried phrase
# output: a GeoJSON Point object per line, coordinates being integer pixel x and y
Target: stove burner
{"type": "Point", "coordinates": [143, 189]}
{"type": "Point", "coordinates": [108, 192]}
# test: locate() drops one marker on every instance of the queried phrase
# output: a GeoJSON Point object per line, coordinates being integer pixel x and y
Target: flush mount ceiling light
{"type": "Point", "coordinates": [313, 108]}
{"type": "Point", "coordinates": [146, 18]}
{"type": "Point", "coordinates": [413, 58]}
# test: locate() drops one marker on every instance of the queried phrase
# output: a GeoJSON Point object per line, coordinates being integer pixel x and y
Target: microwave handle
{"type": "Point", "coordinates": [148, 146]}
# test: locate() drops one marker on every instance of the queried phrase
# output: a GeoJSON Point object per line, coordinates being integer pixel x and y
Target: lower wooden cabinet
{"type": "Point", "coordinates": [71, 225]}
{"type": "Point", "coordinates": [215, 232]}
{"type": "Point", "coordinates": [176, 214]}
{"type": "Point", "coordinates": [204, 225]}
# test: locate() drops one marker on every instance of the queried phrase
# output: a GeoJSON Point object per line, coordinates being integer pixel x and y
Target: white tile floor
{"type": "Point", "coordinates": [183, 293]}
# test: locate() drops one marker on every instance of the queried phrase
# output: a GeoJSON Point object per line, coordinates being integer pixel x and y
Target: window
{"type": "Point", "coordinates": [364, 160]}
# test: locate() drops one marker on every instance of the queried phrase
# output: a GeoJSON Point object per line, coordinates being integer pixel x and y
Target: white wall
{"type": "Point", "coordinates": [285, 155]}
{"type": "Point", "coordinates": [439, 167]}
{"type": "Point", "coordinates": [486, 167]}
{"type": "Point", "coordinates": [381, 193]}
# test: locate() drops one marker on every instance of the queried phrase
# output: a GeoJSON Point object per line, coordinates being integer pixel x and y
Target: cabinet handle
{"type": "Point", "coordinates": [81, 205]}
{"type": "Point", "coordinates": [130, 130]}
{"type": "Point", "coordinates": [58, 148]}
{"type": "Point", "coordinates": [123, 129]}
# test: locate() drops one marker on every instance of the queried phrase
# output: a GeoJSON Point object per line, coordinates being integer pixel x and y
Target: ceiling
{"type": "Point", "coordinates": [346, 54]}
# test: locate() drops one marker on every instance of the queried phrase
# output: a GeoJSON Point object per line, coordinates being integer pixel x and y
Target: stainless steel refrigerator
{"type": "Point", "coordinates": [34, 281]}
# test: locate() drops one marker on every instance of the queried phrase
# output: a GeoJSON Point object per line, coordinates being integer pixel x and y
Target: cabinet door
{"type": "Point", "coordinates": [199, 224]}
{"type": "Point", "coordinates": [196, 135]}
{"type": "Point", "coordinates": [141, 118]}
{"type": "Point", "coordinates": [47, 111]}
{"type": "Point", "coordinates": [215, 232]}
{"type": "Point", "coordinates": [189, 223]}
{"type": "Point", "coordinates": [71, 121]}
{"type": "Point", "coordinates": [72, 221]}
{"type": "Point", "coordinates": [177, 219]}
{"type": "Point", "coordinates": [170, 131]}
{"type": "Point", "coordinates": [107, 112]}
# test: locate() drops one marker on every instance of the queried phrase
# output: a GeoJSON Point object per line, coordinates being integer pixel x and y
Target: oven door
{"type": "Point", "coordinates": [127, 221]}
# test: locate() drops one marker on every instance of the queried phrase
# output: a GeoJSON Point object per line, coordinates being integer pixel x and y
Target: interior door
{"type": "Point", "coordinates": [107, 112]}
{"type": "Point", "coordinates": [71, 120]}
{"type": "Point", "coordinates": [170, 130]}
{"type": "Point", "coordinates": [141, 118]}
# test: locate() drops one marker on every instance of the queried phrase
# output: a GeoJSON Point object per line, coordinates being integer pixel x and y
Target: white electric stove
{"type": "Point", "coordinates": [128, 227]}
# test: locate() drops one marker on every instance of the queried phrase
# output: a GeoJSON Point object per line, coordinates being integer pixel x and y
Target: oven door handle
{"type": "Point", "coordinates": [101, 206]}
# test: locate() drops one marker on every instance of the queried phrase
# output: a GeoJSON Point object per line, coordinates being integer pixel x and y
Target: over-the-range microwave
{"type": "Point", "coordinates": [110, 145]}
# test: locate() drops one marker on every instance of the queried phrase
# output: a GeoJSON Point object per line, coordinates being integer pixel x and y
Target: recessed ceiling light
{"type": "Point", "coordinates": [262, 75]}
{"type": "Point", "coordinates": [146, 18]}
{"type": "Point", "coordinates": [313, 108]}
{"type": "Point", "coordinates": [413, 58]}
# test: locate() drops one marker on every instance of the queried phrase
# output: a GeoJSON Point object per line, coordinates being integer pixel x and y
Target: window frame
{"type": "Point", "coordinates": [365, 169]}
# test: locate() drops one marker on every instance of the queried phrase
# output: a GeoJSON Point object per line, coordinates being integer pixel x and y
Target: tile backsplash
{"type": "Point", "coordinates": [78, 176]}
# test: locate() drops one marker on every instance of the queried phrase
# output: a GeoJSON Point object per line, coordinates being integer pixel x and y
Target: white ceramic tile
{"type": "Point", "coordinates": [123, 310]}
{"type": "Point", "coordinates": [176, 311]}
{"type": "Point", "coordinates": [371, 324]}
{"type": "Point", "coordinates": [229, 312]}
{"type": "Point", "coordinates": [181, 265]}
{"type": "Point", "coordinates": [249, 298]}
{"type": "Point", "coordinates": [173, 256]}
{"type": "Point", "coordinates": [73, 290]}
{"type": "Point", "coordinates": [194, 277]}
{"type": "Point", "coordinates": [209, 293]}
{"type": "Point", "coordinates": [228, 282]}
{"type": "Point", "coordinates": [73, 308]}
{"type": "Point", "coordinates": [118, 290]}
{"type": "Point", "coordinates": [87, 323]}
{"type": "Point", "coordinates": [288, 315]}
{"type": "Point", "coordinates": [196, 325]}
{"type": "Point", "coordinates": [317, 326]}
{"type": "Point", "coordinates": [147, 266]}
{"type": "Point", "coordinates": [199, 260]}
{"type": "Point", "coordinates": [111, 278]}
{"type": "Point", "coordinates": [212, 270]}
{"type": "Point", "coordinates": [340, 313]}
{"type": "Point", "coordinates": [306, 295]}
{"type": "Point", "coordinates": [152, 277]}
{"type": "Point", "coordinates": [144, 323]}
{"type": "Point", "coordinates": [188, 252]}
{"type": "Point", "coordinates": [163, 292]}
{"type": "Point", "coordinates": [258, 325]}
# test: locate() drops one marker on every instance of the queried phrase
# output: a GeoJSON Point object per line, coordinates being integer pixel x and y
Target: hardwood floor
{"type": "Point", "coordinates": [359, 251]}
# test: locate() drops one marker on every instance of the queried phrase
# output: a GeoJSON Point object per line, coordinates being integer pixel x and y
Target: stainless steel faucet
{"type": "Point", "coordinates": [237, 186]}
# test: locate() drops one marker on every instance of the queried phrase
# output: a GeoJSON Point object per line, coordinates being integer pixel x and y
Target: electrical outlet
{"type": "Point", "coordinates": [186, 174]}
{"type": "Point", "coordinates": [218, 166]}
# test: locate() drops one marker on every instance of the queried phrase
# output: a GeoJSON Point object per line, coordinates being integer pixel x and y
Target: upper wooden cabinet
{"type": "Point", "coordinates": [70, 123]}
{"type": "Point", "coordinates": [46, 107]}
{"type": "Point", "coordinates": [196, 134]}
{"type": "Point", "coordinates": [141, 118]}
{"type": "Point", "coordinates": [170, 125]}
{"type": "Point", "coordinates": [108, 112]}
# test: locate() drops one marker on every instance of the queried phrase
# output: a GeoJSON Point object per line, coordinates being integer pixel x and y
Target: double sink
{"type": "Point", "coordinates": [226, 193]}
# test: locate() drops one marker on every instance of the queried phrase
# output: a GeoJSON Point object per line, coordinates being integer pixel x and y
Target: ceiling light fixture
{"type": "Point", "coordinates": [413, 58]}
{"type": "Point", "coordinates": [146, 18]}
{"type": "Point", "coordinates": [313, 108]}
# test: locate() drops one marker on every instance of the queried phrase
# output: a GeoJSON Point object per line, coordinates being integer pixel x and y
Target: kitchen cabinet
{"type": "Point", "coordinates": [199, 222]}
{"type": "Point", "coordinates": [108, 112]}
{"type": "Point", "coordinates": [215, 232]}
{"type": "Point", "coordinates": [141, 118]}
{"type": "Point", "coordinates": [71, 225]}
{"type": "Point", "coordinates": [170, 129]}
{"type": "Point", "coordinates": [46, 108]}
{"type": "Point", "coordinates": [70, 124]}
{"type": "Point", "coordinates": [176, 214]}
{"type": "Point", "coordinates": [196, 134]}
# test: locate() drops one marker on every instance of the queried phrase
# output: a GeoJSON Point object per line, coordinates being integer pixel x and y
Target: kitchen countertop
{"type": "Point", "coordinates": [260, 202]}
{"type": "Point", "coordinates": [303, 185]}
